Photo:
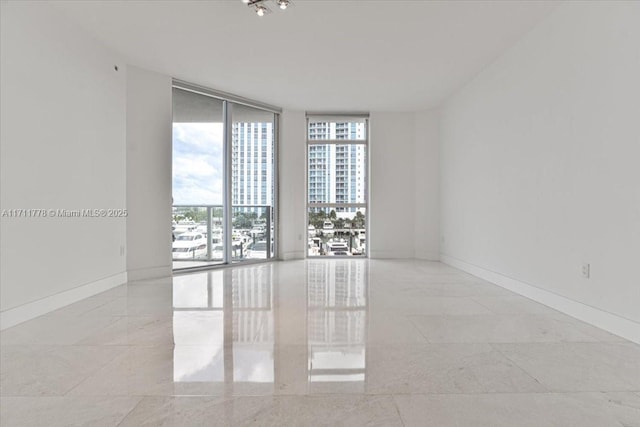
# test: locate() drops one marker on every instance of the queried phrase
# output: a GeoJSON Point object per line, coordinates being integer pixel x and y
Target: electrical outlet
{"type": "Point", "coordinates": [121, 250]}
{"type": "Point", "coordinates": [586, 270]}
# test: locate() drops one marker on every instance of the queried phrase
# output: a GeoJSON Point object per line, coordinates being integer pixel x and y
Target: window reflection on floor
{"type": "Point", "coordinates": [337, 322]}
{"type": "Point", "coordinates": [223, 326]}
{"type": "Point", "coordinates": [253, 335]}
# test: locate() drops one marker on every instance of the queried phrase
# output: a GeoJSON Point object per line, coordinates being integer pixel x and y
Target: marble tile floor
{"type": "Point", "coordinates": [343, 342]}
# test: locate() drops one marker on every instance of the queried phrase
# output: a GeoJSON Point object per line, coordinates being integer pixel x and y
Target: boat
{"type": "Point", "coordinates": [327, 228]}
{"type": "Point", "coordinates": [337, 248]}
{"type": "Point", "coordinates": [257, 250]}
{"type": "Point", "coordinates": [360, 243]}
{"type": "Point", "coordinates": [189, 245]}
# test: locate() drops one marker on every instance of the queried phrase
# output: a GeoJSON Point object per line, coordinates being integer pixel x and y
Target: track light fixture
{"type": "Point", "coordinates": [260, 7]}
{"type": "Point", "coordinates": [261, 10]}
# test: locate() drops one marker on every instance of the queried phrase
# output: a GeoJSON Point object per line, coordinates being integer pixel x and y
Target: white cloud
{"type": "Point", "coordinates": [197, 163]}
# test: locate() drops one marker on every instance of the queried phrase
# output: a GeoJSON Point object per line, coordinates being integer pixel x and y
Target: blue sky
{"type": "Point", "coordinates": [197, 163]}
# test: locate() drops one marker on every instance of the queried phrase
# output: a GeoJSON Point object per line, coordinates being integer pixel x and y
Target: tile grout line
{"type": "Point", "coordinates": [100, 369]}
{"type": "Point", "coordinates": [520, 367]}
{"type": "Point", "coordinates": [395, 403]}
{"type": "Point", "coordinates": [131, 410]}
{"type": "Point", "coordinates": [415, 327]}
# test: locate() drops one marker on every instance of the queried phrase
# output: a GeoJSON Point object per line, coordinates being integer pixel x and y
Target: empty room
{"type": "Point", "coordinates": [319, 213]}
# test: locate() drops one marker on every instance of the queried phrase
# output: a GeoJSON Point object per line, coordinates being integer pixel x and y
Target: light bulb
{"type": "Point", "coordinates": [283, 4]}
{"type": "Point", "coordinates": [260, 11]}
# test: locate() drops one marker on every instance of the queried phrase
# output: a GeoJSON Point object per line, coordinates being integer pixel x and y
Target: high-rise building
{"type": "Point", "coordinates": [252, 163]}
{"type": "Point", "coordinates": [336, 172]}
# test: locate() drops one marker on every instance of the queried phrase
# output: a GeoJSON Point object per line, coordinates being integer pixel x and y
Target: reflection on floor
{"type": "Point", "coordinates": [316, 342]}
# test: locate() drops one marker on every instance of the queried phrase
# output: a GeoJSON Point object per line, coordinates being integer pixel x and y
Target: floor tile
{"type": "Point", "coordinates": [118, 291]}
{"type": "Point", "coordinates": [579, 366]}
{"type": "Point", "coordinates": [428, 305]}
{"type": "Point", "coordinates": [266, 411]}
{"type": "Point", "coordinates": [392, 328]}
{"type": "Point", "coordinates": [136, 306]}
{"type": "Point", "coordinates": [134, 331]}
{"type": "Point", "coordinates": [597, 333]}
{"type": "Point", "coordinates": [55, 329]}
{"type": "Point", "coordinates": [426, 288]}
{"type": "Point", "coordinates": [49, 370]}
{"type": "Point", "coordinates": [444, 368]}
{"type": "Point", "coordinates": [83, 306]}
{"type": "Point", "coordinates": [522, 410]}
{"type": "Point", "coordinates": [513, 304]}
{"type": "Point", "coordinates": [138, 371]}
{"type": "Point", "coordinates": [65, 411]}
{"type": "Point", "coordinates": [498, 329]}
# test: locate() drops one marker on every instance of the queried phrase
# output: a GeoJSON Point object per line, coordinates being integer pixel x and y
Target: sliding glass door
{"type": "Point", "coordinates": [223, 180]}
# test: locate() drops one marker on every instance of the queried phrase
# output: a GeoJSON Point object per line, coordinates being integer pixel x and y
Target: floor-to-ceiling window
{"type": "Point", "coordinates": [223, 179]}
{"type": "Point", "coordinates": [252, 183]}
{"type": "Point", "coordinates": [337, 185]}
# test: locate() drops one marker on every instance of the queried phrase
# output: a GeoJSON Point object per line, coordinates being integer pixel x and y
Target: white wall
{"type": "Point", "coordinates": [404, 209]}
{"type": "Point", "coordinates": [392, 205]}
{"type": "Point", "coordinates": [149, 151]}
{"type": "Point", "coordinates": [291, 185]}
{"type": "Point", "coordinates": [63, 147]}
{"type": "Point", "coordinates": [427, 185]}
{"type": "Point", "coordinates": [540, 164]}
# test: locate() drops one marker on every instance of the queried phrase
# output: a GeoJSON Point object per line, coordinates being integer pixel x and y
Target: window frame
{"type": "Point", "coordinates": [340, 118]}
{"type": "Point", "coordinates": [229, 101]}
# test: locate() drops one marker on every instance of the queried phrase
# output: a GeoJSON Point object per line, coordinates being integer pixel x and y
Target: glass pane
{"type": "Point", "coordinates": [252, 229]}
{"type": "Point", "coordinates": [337, 173]}
{"type": "Point", "coordinates": [334, 233]}
{"type": "Point", "coordinates": [334, 129]}
{"type": "Point", "coordinates": [197, 235]}
{"type": "Point", "coordinates": [198, 176]}
{"type": "Point", "coordinates": [253, 183]}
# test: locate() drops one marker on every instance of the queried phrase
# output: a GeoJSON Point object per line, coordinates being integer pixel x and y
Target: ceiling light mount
{"type": "Point", "coordinates": [261, 8]}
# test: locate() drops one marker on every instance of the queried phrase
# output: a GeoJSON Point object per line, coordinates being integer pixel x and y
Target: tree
{"type": "Point", "coordinates": [358, 220]}
{"type": "Point", "coordinates": [243, 220]}
{"type": "Point", "coordinates": [317, 218]}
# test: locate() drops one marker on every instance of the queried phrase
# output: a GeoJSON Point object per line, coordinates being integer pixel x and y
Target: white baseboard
{"type": "Point", "coordinates": [620, 326]}
{"type": "Point", "coordinates": [287, 256]}
{"type": "Point", "coordinates": [150, 273]}
{"type": "Point", "coordinates": [427, 256]}
{"type": "Point", "coordinates": [31, 310]}
{"type": "Point", "coordinates": [391, 254]}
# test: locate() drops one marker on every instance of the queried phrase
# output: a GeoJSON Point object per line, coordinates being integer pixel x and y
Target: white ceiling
{"type": "Point", "coordinates": [329, 55]}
